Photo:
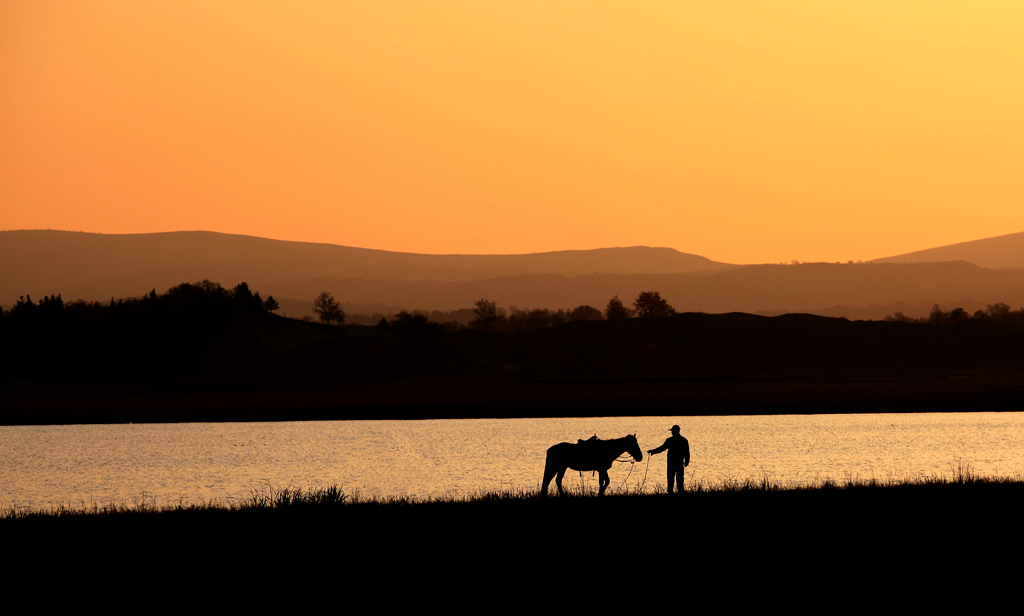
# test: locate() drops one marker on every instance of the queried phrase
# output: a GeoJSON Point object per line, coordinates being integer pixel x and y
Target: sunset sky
{"type": "Point", "coordinates": [741, 131]}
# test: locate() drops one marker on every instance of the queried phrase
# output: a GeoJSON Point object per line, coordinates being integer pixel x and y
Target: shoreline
{"type": "Point", "coordinates": [33, 404]}
{"type": "Point", "coordinates": [334, 496]}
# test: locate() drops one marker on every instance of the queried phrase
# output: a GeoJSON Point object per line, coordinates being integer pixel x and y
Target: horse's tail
{"type": "Point", "coordinates": [550, 468]}
{"type": "Point", "coordinates": [548, 474]}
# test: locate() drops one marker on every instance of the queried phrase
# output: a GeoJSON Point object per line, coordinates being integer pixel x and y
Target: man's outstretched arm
{"type": "Point", "coordinates": [659, 449]}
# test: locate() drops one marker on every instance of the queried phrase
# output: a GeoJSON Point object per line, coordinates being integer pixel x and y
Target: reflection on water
{"type": "Point", "coordinates": [169, 463]}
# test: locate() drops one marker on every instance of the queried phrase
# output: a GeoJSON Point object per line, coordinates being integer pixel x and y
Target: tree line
{"type": "Point", "coordinates": [170, 336]}
{"type": "Point", "coordinates": [487, 315]}
{"type": "Point", "coordinates": [1000, 312]}
{"type": "Point", "coordinates": [203, 299]}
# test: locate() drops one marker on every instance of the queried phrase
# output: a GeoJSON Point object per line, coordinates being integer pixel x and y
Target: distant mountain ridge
{"type": "Point", "coordinates": [856, 291]}
{"type": "Point", "coordinates": [96, 266]}
{"type": "Point", "coordinates": [1004, 251]}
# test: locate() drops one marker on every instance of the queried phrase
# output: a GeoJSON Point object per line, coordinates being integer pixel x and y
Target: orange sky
{"type": "Point", "coordinates": [741, 131]}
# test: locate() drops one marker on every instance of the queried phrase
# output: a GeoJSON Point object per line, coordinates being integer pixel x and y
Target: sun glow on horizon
{"type": "Point", "coordinates": [741, 132]}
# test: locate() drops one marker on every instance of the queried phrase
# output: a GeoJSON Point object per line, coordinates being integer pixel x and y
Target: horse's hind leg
{"type": "Point", "coordinates": [603, 481]}
{"type": "Point", "coordinates": [558, 481]}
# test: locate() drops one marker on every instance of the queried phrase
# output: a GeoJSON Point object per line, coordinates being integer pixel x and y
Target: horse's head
{"type": "Point", "coordinates": [633, 448]}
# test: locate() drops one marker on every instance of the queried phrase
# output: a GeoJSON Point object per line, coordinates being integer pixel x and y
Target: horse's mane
{"type": "Point", "coordinates": [621, 438]}
{"type": "Point", "coordinates": [605, 440]}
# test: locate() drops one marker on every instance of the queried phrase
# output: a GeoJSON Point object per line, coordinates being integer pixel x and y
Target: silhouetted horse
{"type": "Point", "coordinates": [592, 455]}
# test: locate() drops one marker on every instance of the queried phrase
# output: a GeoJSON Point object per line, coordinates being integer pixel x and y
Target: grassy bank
{"type": "Point", "coordinates": [735, 529]}
{"type": "Point", "coordinates": [334, 499]}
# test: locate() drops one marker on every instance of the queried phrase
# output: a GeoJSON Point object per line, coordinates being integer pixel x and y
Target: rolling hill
{"type": "Point", "coordinates": [1005, 251]}
{"type": "Point", "coordinates": [97, 267]}
{"type": "Point", "coordinates": [94, 266]}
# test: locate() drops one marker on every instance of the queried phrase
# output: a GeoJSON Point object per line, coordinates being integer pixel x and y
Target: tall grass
{"type": "Point", "coordinates": [269, 498]}
{"type": "Point", "coordinates": [263, 497]}
{"type": "Point", "coordinates": [961, 473]}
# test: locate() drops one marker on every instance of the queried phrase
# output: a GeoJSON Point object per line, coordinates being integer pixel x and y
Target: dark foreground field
{"type": "Point", "coordinates": [731, 537]}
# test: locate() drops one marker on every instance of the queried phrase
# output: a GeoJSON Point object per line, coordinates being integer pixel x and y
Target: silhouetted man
{"type": "Point", "coordinates": [678, 457]}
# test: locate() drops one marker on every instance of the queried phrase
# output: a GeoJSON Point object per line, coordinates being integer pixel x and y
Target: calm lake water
{"type": "Point", "coordinates": [43, 466]}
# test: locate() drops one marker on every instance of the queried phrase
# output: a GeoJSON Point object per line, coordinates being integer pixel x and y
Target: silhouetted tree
{"type": "Point", "coordinates": [998, 311]}
{"type": "Point", "coordinates": [537, 318]}
{"type": "Point", "coordinates": [245, 299]}
{"type": "Point", "coordinates": [617, 310]}
{"type": "Point", "coordinates": [486, 314]}
{"type": "Point", "coordinates": [585, 313]}
{"type": "Point", "coordinates": [208, 286]}
{"type": "Point", "coordinates": [24, 309]}
{"type": "Point", "coordinates": [327, 308]}
{"type": "Point", "coordinates": [270, 305]}
{"type": "Point", "coordinates": [899, 317]}
{"type": "Point", "coordinates": [242, 293]}
{"type": "Point", "coordinates": [959, 314]}
{"type": "Point", "coordinates": [415, 324]}
{"type": "Point", "coordinates": [51, 306]}
{"type": "Point", "coordinates": [650, 305]}
{"type": "Point", "coordinates": [560, 316]}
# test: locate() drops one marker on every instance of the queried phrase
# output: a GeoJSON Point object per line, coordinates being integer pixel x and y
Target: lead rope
{"type": "Point", "coordinates": [646, 468]}
{"type": "Point", "coordinates": [631, 464]}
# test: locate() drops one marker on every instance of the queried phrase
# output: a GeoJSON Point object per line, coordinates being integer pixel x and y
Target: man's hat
{"type": "Point", "coordinates": [675, 428]}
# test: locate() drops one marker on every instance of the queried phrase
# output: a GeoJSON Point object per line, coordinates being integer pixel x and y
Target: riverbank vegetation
{"type": "Point", "coordinates": [268, 497]}
{"type": "Point", "coordinates": [737, 530]}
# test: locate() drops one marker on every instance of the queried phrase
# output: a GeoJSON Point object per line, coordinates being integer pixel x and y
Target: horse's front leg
{"type": "Point", "coordinates": [603, 481]}
{"type": "Point", "coordinates": [549, 474]}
